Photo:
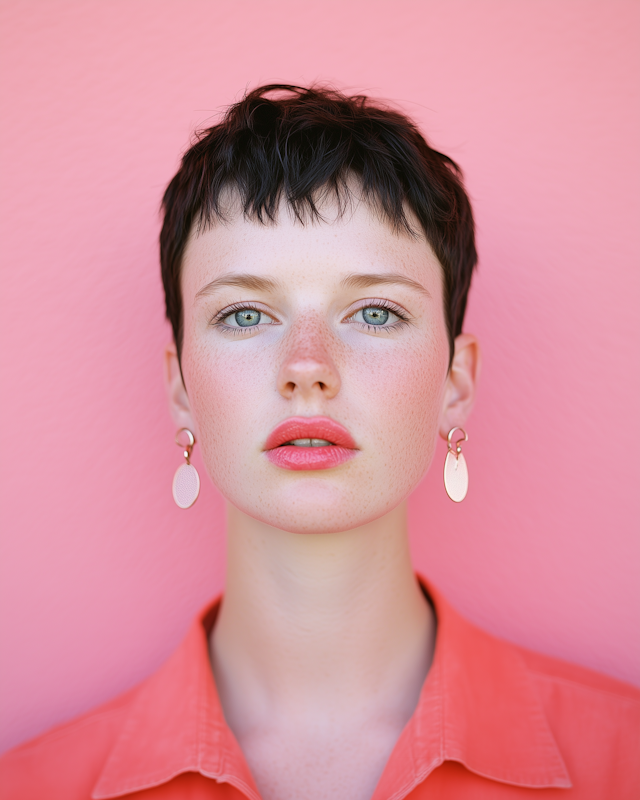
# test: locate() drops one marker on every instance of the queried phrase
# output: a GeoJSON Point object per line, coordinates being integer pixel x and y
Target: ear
{"type": "Point", "coordinates": [460, 389]}
{"type": "Point", "coordinates": [179, 405]}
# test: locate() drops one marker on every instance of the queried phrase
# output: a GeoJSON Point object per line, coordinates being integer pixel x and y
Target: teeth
{"type": "Point", "coordinates": [309, 442]}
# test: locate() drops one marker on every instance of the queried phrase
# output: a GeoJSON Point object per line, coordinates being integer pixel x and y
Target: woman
{"type": "Point", "coordinates": [316, 257]}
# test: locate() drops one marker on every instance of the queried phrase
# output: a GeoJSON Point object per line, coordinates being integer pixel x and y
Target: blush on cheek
{"type": "Point", "coordinates": [228, 395]}
{"type": "Point", "coordinates": [414, 386]}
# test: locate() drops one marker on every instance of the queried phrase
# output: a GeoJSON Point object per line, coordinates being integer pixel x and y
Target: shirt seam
{"type": "Point", "coordinates": [525, 783]}
{"type": "Point", "coordinates": [159, 778]}
{"type": "Point", "coordinates": [61, 732]}
{"type": "Point", "coordinates": [586, 687]}
{"type": "Point", "coordinates": [142, 782]}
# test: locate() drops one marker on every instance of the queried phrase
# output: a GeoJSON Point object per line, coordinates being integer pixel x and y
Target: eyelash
{"type": "Point", "coordinates": [217, 321]}
{"type": "Point", "coordinates": [403, 319]}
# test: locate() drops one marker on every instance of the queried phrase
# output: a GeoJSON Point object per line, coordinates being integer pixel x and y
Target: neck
{"type": "Point", "coordinates": [320, 623]}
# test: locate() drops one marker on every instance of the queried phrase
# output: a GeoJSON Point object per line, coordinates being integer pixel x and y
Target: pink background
{"type": "Point", "coordinates": [537, 100]}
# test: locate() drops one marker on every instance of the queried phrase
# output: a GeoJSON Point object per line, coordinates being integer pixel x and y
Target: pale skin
{"type": "Point", "coordinates": [324, 638]}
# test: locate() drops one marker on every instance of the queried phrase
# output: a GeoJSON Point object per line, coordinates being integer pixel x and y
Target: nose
{"type": "Point", "coordinates": [308, 371]}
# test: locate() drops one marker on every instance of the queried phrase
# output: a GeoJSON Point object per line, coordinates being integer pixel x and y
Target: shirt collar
{"type": "Point", "coordinates": [478, 706]}
{"type": "Point", "coordinates": [176, 725]}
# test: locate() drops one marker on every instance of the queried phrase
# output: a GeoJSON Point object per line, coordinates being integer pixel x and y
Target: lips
{"type": "Point", "coordinates": [309, 454]}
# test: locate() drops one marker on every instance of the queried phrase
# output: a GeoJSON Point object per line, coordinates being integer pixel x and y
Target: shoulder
{"type": "Point", "coordinates": [595, 720]}
{"type": "Point", "coordinates": [587, 723]}
{"type": "Point", "coordinates": [595, 685]}
{"type": "Point", "coordinates": [565, 684]}
{"type": "Point", "coordinates": [65, 762]}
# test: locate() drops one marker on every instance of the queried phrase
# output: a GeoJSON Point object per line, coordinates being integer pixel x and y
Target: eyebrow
{"type": "Point", "coordinates": [356, 280]}
{"type": "Point", "coordinates": [359, 280]}
{"type": "Point", "coordinates": [254, 283]}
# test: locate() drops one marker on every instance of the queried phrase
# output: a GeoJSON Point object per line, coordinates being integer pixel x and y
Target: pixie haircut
{"type": "Point", "coordinates": [301, 145]}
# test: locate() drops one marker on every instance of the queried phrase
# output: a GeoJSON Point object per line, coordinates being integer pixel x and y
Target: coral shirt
{"type": "Point", "coordinates": [493, 721]}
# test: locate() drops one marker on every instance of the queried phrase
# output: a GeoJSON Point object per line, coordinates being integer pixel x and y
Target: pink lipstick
{"type": "Point", "coordinates": [309, 443]}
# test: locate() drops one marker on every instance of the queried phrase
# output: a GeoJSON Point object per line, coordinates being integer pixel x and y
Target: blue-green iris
{"type": "Point", "coordinates": [375, 316]}
{"type": "Point", "coordinates": [247, 317]}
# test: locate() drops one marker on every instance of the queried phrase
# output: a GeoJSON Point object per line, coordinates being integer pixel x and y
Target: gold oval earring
{"type": "Point", "coordinates": [456, 474]}
{"type": "Point", "coordinates": [186, 481]}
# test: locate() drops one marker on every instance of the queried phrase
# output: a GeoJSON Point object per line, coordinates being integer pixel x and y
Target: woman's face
{"type": "Point", "coordinates": [341, 320]}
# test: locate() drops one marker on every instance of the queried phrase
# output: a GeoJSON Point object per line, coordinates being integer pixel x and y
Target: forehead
{"type": "Point", "coordinates": [298, 254]}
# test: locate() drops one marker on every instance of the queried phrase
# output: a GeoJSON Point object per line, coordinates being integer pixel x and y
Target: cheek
{"type": "Point", "coordinates": [403, 393]}
{"type": "Point", "coordinates": [227, 392]}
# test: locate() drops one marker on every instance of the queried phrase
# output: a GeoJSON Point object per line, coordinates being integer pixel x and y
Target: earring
{"type": "Point", "coordinates": [456, 474]}
{"type": "Point", "coordinates": [186, 481]}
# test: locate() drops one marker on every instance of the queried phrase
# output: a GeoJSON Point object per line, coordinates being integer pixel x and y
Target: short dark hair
{"type": "Point", "coordinates": [301, 143]}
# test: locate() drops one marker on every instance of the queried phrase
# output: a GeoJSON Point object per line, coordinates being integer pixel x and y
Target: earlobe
{"type": "Point", "coordinates": [460, 390]}
{"type": "Point", "coordinates": [179, 405]}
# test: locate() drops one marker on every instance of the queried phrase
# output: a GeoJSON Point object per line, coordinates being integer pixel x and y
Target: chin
{"type": "Point", "coordinates": [311, 524]}
{"type": "Point", "coordinates": [314, 507]}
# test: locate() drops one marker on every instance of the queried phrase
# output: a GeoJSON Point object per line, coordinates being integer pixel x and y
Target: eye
{"type": "Point", "coordinates": [246, 318]}
{"type": "Point", "coordinates": [375, 315]}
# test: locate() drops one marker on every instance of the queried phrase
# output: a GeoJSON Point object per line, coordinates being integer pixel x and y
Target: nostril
{"type": "Point", "coordinates": [307, 376]}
